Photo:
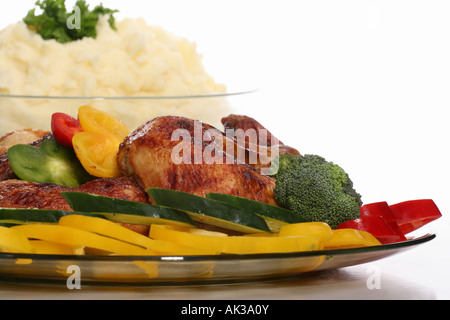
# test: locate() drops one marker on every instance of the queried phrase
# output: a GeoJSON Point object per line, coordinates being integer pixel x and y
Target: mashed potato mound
{"type": "Point", "coordinates": [136, 60]}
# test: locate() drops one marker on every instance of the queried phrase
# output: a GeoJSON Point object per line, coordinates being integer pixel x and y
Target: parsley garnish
{"type": "Point", "coordinates": [53, 22]}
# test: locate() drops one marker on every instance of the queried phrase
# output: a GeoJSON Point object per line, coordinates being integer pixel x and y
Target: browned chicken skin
{"type": "Point", "coordinates": [234, 122]}
{"type": "Point", "coordinates": [24, 194]}
{"type": "Point", "coordinates": [155, 158]}
{"type": "Point", "coordinates": [25, 136]}
{"type": "Point", "coordinates": [31, 195]}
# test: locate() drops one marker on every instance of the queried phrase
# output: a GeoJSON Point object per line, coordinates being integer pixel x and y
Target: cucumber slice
{"type": "Point", "coordinates": [126, 211]}
{"type": "Point", "coordinates": [13, 216]}
{"type": "Point", "coordinates": [276, 217]}
{"type": "Point", "coordinates": [210, 211]}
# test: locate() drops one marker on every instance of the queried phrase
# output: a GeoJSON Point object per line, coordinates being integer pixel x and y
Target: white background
{"type": "Point", "coordinates": [362, 83]}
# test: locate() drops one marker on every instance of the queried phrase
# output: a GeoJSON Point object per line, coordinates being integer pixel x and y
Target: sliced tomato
{"type": "Point", "coordinates": [64, 127]}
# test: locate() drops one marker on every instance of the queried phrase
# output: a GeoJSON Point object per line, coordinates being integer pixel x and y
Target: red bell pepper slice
{"type": "Point", "coordinates": [64, 127]}
{"type": "Point", "coordinates": [390, 223]}
{"type": "Point", "coordinates": [374, 222]}
{"type": "Point", "coordinates": [383, 210]}
{"type": "Point", "coordinates": [413, 214]}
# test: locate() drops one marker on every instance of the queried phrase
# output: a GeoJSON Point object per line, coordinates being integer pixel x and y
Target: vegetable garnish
{"type": "Point", "coordinates": [97, 121]}
{"type": "Point", "coordinates": [391, 223]}
{"type": "Point", "coordinates": [113, 230]}
{"type": "Point", "coordinates": [413, 214]}
{"type": "Point", "coordinates": [64, 127]}
{"type": "Point", "coordinates": [96, 146]}
{"type": "Point", "coordinates": [351, 238]}
{"type": "Point", "coordinates": [125, 211]}
{"type": "Point", "coordinates": [14, 241]}
{"type": "Point", "coordinates": [275, 217]}
{"type": "Point", "coordinates": [218, 242]}
{"type": "Point", "coordinates": [53, 22]}
{"type": "Point", "coordinates": [49, 163]}
{"type": "Point", "coordinates": [78, 238]}
{"type": "Point", "coordinates": [316, 189]}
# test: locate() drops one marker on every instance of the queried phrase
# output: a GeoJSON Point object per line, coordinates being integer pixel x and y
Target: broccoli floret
{"type": "Point", "coordinates": [317, 189]}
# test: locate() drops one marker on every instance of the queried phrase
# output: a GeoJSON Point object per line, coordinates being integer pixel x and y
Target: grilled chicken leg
{"type": "Point", "coordinates": [232, 123]}
{"type": "Point", "coordinates": [186, 155]}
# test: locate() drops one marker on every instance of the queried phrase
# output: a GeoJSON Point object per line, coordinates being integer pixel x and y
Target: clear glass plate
{"type": "Point", "coordinates": [179, 270]}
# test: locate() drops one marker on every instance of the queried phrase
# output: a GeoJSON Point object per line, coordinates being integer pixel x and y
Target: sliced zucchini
{"type": "Point", "coordinates": [276, 217]}
{"type": "Point", "coordinates": [210, 211]}
{"type": "Point", "coordinates": [12, 216]}
{"type": "Point", "coordinates": [126, 211]}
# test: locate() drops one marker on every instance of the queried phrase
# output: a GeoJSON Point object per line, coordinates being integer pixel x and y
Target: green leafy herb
{"type": "Point", "coordinates": [56, 23]}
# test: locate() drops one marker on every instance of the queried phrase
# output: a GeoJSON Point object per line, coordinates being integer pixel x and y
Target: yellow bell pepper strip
{"type": "Point", "coordinates": [14, 241]}
{"type": "Point", "coordinates": [47, 247]}
{"type": "Point", "coordinates": [76, 238]}
{"type": "Point", "coordinates": [253, 245]}
{"type": "Point", "coordinates": [350, 238]}
{"type": "Point", "coordinates": [97, 145]}
{"type": "Point", "coordinates": [203, 241]}
{"type": "Point", "coordinates": [319, 229]}
{"type": "Point", "coordinates": [217, 242]}
{"type": "Point", "coordinates": [113, 230]}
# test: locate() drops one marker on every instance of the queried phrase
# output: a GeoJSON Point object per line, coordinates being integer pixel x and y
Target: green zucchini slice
{"type": "Point", "coordinates": [276, 217]}
{"type": "Point", "coordinates": [210, 211]}
{"type": "Point", "coordinates": [13, 216]}
{"type": "Point", "coordinates": [126, 211]}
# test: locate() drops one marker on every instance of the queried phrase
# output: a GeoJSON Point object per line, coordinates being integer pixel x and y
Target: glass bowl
{"type": "Point", "coordinates": [21, 111]}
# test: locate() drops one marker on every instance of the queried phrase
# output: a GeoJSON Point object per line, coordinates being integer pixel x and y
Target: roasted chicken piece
{"type": "Point", "coordinates": [25, 136]}
{"type": "Point", "coordinates": [233, 123]}
{"type": "Point", "coordinates": [24, 194]}
{"type": "Point", "coordinates": [186, 155]}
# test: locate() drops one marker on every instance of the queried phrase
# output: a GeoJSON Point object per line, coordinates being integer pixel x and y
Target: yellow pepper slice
{"type": "Point", "coordinates": [217, 242]}
{"type": "Point", "coordinates": [97, 145]}
{"type": "Point", "coordinates": [47, 247]}
{"type": "Point", "coordinates": [252, 245]}
{"type": "Point", "coordinates": [350, 238]}
{"type": "Point", "coordinates": [14, 241]}
{"type": "Point", "coordinates": [203, 241]}
{"type": "Point", "coordinates": [76, 238]}
{"type": "Point", "coordinates": [97, 154]}
{"type": "Point", "coordinates": [97, 121]}
{"type": "Point", "coordinates": [319, 229]}
{"type": "Point", "coordinates": [111, 229]}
